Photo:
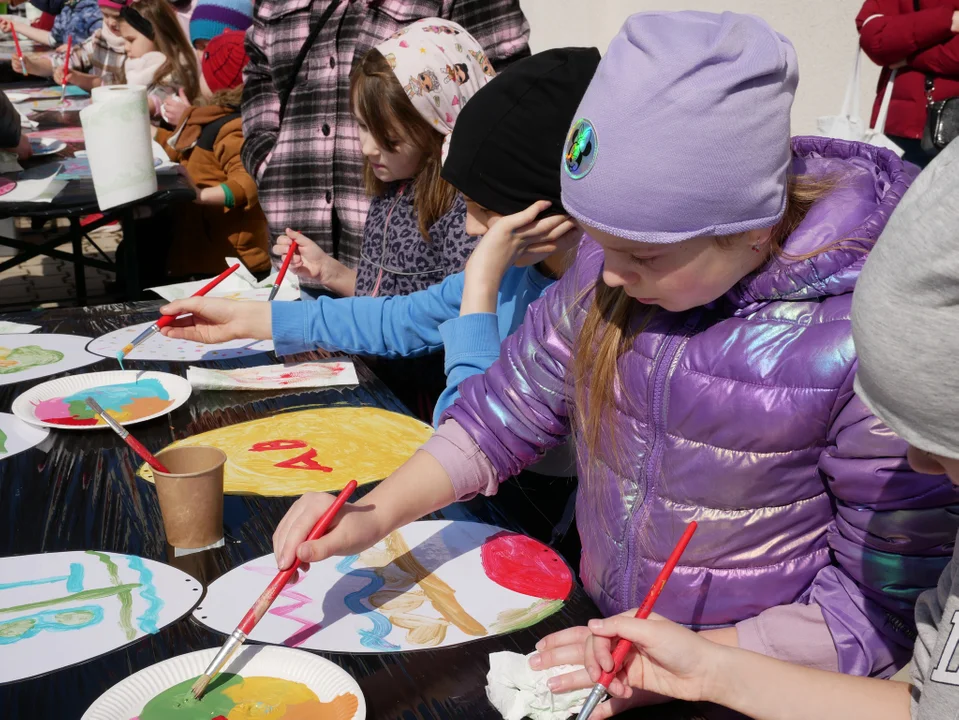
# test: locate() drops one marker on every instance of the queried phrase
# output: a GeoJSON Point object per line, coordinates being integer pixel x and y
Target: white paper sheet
{"type": "Point", "coordinates": [7, 327]}
{"type": "Point", "coordinates": [38, 191]}
{"type": "Point", "coordinates": [17, 436]}
{"type": "Point", "coordinates": [241, 285]}
{"type": "Point", "coordinates": [60, 609]}
{"type": "Point", "coordinates": [28, 357]}
{"type": "Point", "coordinates": [275, 377]}
{"type": "Point", "coordinates": [160, 347]}
{"type": "Point", "coordinates": [452, 582]}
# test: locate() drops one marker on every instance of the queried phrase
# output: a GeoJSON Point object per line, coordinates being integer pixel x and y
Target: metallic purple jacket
{"type": "Point", "coordinates": [741, 416]}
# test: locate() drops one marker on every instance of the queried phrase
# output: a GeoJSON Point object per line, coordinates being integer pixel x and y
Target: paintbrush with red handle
{"type": "Point", "coordinates": [280, 275]}
{"type": "Point", "coordinates": [137, 446]}
{"type": "Point", "coordinates": [167, 319]}
{"type": "Point", "coordinates": [622, 646]}
{"type": "Point", "coordinates": [263, 603]}
{"type": "Point", "coordinates": [66, 68]}
{"type": "Point", "coordinates": [16, 44]}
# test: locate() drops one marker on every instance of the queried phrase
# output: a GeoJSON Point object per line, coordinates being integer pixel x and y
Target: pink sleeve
{"type": "Point", "coordinates": [469, 469]}
{"type": "Point", "coordinates": [794, 633]}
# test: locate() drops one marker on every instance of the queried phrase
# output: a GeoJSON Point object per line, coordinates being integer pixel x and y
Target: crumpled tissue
{"type": "Point", "coordinates": [518, 691]}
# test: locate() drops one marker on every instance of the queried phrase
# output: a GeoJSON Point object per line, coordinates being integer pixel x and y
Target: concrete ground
{"type": "Point", "coordinates": [46, 282]}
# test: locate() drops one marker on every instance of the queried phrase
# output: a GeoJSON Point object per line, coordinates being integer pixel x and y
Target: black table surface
{"type": "Point", "coordinates": [82, 493]}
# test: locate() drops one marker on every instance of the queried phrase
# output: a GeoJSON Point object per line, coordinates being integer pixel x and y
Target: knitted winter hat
{"type": "Point", "coordinates": [905, 314]}
{"type": "Point", "coordinates": [224, 60]}
{"type": "Point", "coordinates": [506, 141]}
{"type": "Point", "coordinates": [684, 131]}
{"type": "Point", "coordinates": [212, 17]}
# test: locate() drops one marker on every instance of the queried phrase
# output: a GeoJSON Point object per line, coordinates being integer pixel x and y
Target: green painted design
{"type": "Point", "coordinates": [26, 357]}
{"type": "Point", "coordinates": [511, 620]}
{"type": "Point", "coordinates": [16, 628]}
{"type": "Point", "coordinates": [74, 617]}
{"type": "Point", "coordinates": [94, 594]}
{"type": "Point", "coordinates": [125, 597]}
{"type": "Point", "coordinates": [178, 703]}
{"type": "Point", "coordinates": [3, 442]}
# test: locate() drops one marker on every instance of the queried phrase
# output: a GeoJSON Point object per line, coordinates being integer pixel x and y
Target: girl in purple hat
{"type": "Point", "coordinates": [700, 352]}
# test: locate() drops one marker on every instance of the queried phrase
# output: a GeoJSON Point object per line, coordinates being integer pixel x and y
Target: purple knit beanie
{"type": "Point", "coordinates": [684, 130]}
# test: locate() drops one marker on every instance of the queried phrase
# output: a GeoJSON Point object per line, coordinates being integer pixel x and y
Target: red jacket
{"type": "Point", "coordinates": [896, 32]}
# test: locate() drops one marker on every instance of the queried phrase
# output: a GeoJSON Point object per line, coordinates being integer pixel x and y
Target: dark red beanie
{"type": "Point", "coordinates": [224, 60]}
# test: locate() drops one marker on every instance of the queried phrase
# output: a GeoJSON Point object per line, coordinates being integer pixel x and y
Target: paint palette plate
{"type": "Point", "coordinates": [265, 671]}
{"type": "Point", "coordinates": [42, 146]}
{"type": "Point", "coordinates": [128, 395]}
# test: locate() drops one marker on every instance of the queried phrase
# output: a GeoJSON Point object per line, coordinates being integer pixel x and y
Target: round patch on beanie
{"type": "Point", "coordinates": [582, 146]}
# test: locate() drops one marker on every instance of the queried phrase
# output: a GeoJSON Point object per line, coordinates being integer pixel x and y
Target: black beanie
{"type": "Point", "coordinates": [507, 145]}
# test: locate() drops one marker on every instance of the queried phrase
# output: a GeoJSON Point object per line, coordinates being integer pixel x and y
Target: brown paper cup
{"type": "Point", "coordinates": [191, 495]}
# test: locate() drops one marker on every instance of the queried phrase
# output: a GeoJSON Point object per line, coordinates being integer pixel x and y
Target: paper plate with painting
{"type": "Point", "coordinates": [28, 357]}
{"type": "Point", "coordinates": [258, 683]}
{"type": "Point", "coordinates": [430, 584]}
{"type": "Point", "coordinates": [17, 436]}
{"type": "Point", "coordinates": [317, 450]}
{"type": "Point", "coordinates": [60, 609]}
{"type": "Point", "coordinates": [160, 347]}
{"type": "Point", "coordinates": [127, 395]}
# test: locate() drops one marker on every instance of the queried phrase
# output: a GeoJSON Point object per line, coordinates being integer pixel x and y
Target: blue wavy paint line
{"type": "Point", "coordinates": [75, 581]}
{"type": "Point", "coordinates": [148, 620]}
{"type": "Point", "coordinates": [49, 620]}
{"type": "Point", "coordinates": [374, 639]}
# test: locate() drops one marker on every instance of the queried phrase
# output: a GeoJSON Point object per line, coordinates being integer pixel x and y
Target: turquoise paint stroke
{"type": "Point", "coordinates": [74, 580]}
{"type": "Point", "coordinates": [374, 639]}
{"type": "Point", "coordinates": [148, 620]}
{"type": "Point", "coordinates": [47, 621]}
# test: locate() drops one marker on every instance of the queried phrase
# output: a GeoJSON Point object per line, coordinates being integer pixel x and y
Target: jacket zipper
{"type": "Point", "coordinates": [661, 374]}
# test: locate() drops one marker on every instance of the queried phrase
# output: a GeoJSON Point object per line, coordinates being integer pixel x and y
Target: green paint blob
{"type": "Point", "coordinates": [26, 357]}
{"type": "Point", "coordinates": [74, 617]}
{"type": "Point", "coordinates": [178, 702]}
{"type": "Point", "coordinates": [16, 628]}
{"type": "Point", "coordinates": [3, 442]}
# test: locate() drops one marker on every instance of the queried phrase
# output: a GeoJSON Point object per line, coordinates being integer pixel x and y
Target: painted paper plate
{"type": "Point", "coordinates": [16, 97]}
{"type": "Point", "coordinates": [430, 584]}
{"type": "Point", "coordinates": [160, 347]}
{"type": "Point", "coordinates": [46, 146]}
{"type": "Point", "coordinates": [128, 395]}
{"type": "Point", "coordinates": [259, 682]}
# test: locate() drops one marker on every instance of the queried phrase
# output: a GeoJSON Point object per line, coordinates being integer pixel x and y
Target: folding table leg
{"type": "Point", "coordinates": [79, 271]}
{"type": "Point", "coordinates": [132, 270]}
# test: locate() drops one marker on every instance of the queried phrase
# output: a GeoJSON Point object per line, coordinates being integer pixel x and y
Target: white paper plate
{"type": "Point", "coordinates": [16, 97]}
{"type": "Point", "coordinates": [25, 405]}
{"type": "Point", "coordinates": [46, 146]}
{"type": "Point", "coordinates": [127, 698]}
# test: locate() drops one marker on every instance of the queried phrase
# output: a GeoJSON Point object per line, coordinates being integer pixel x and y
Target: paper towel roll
{"type": "Point", "coordinates": [116, 129]}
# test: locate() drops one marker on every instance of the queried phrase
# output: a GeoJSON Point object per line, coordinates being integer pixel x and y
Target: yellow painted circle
{"type": "Point", "coordinates": [355, 443]}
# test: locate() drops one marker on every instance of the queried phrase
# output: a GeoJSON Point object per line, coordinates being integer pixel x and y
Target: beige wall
{"type": "Point", "coordinates": [823, 31]}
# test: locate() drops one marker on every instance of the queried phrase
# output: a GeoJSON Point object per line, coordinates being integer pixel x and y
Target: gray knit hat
{"type": "Point", "coordinates": [905, 314]}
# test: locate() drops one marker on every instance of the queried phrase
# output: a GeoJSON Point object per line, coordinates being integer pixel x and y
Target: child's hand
{"type": "Point", "coordinates": [507, 239]}
{"type": "Point", "coordinates": [6, 25]}
{"type": "Point", "coordinates": [16, 64]}
{"type": "Point", "coordinates": [173, 108]}
{"type": "Point", "coordinates": [666, 658]}
{"type": "Point", "coordinates": [59, 77]}
{"type": "Point", "coordinates": [354, 529]}
{"type": "Point", "coordinates": [311, 261]}
{"type": "Point", "coordinates": [214, 320]}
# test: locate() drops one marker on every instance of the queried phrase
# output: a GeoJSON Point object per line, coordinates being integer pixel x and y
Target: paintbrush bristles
{"type": "Point", "coordinates": [199, 687]}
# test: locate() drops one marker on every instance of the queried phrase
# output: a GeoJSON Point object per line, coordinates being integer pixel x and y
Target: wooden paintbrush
{"type": "Point", "coordinates": [622, 646]}
{"type": "Point", "coordinates": [263, 603]}
{"type": "Point", "coordinates": [137, 446]}
{"type": "Point", "coordinates": [167, 319]}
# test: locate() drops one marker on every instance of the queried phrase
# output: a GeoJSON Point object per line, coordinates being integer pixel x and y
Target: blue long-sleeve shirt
{"type": "Point", "coordinates": [412, 325]}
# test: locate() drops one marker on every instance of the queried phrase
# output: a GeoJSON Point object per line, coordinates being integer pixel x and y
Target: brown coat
{"type": "Point", "coordinates": [209, 149]}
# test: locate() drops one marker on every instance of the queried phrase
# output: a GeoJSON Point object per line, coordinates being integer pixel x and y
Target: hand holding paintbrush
{"type": "Point", "coordinates": [263, 603]}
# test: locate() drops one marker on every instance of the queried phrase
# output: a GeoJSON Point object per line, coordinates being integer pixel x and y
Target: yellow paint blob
{"type": "Point", "coordinates": [317, 450]}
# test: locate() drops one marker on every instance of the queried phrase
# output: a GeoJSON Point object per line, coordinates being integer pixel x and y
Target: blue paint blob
{"type": "Point", "coordinates": [374, 639]}
{"type": "Point", "coordinates": [148, 620]}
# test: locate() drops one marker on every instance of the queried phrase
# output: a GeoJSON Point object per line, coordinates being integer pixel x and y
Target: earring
{"type": "Point", "coordinates": [756, 248]}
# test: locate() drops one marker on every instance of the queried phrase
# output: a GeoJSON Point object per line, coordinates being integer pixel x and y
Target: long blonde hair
{"type": "Point", "coordinates": [377, 96]}
{"type": "Point", "coordinates": [614, 320]}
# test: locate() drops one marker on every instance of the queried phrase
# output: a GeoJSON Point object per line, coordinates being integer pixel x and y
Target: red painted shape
{"type": "Point", "coordinates": [304, 462]}
{"type": "Point", "coordinates": [73, 421]}
{"type": "Point", "coordinates": [278, 445]}
{"type": "Point", "coordinates": [526, 566]}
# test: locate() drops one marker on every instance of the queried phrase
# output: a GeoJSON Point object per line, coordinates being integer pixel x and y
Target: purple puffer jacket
{"type": "Point", "coordinates": [741, 416]}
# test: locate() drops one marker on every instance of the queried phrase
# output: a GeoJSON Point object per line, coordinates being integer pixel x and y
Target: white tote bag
{"type": "Point", "coordinates": [848, 125]}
